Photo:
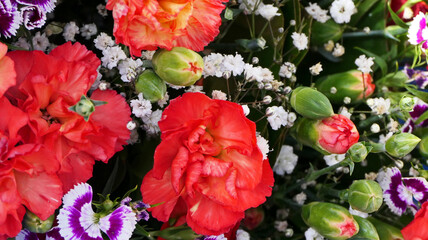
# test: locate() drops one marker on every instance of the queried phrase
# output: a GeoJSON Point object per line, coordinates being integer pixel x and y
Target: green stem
{"type": "Point", "coordinates": [316, 174]}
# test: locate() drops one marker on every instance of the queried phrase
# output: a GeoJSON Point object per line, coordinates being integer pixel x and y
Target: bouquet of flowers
{"type": "Point", "coordinates": [213, 119]}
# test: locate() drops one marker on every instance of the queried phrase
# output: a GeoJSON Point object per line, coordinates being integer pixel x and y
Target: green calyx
{"type": "Point", "coordinates": [85, 107]}
{"type": "Point", "coordinates": [35, 224]}
{"type": "Point", "coordinates": [311, 103]}
{"type": "Point", "coordinates": [401, 144]}
{"type": "Point", "coordinates": [365, 196]}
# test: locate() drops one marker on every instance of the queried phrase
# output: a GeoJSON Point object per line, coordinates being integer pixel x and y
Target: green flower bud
{"type": "Point", "coordinates": [367, 229]}
{"type": "Point", "coordinates": [365, 196]}
{"type": "Point", "coordinates": [358, 152]}
{"type": "Point", "coordinates": [346, 84]}
{"type": "Point", "coordinates": [407, 104]}
{"type": "Point", "coordinates": [108, 205]}
{"type": "Point", "coordinates": [322, 32]}
{"type": "Point", "coordinates": [310, 103]}
{"type": "Point", "coordinates": [35, 224]}
{"type": "Point", "coordinates": [401, 144]}
{"type": "Point", "coordinates": [330, 220]}
{"type": "Point", "coordinates": [386, 231]}
{"type": "Point", "coordinates": [151, 85]}
{"type": "Point", "coordinates": [423, 147]}
{"type": "Point", "coordinates": [180, 66]}
{"type": "Point", "coordinates": [85, 107]}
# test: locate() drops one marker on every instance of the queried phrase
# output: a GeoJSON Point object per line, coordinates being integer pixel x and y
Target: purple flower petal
{"type": "Point", "coordinates": [26, 235]}
{"type": "Point", "coordinates": [33, 17]}
{"type": "Point", "coordinates": [395, 194]}
{"type": "Point", "coordinates": [419, 187]}
{"type": "Point", "coordinates": [408, 126]}
{"type": "Point", "coordinates": [141, 204]}
{"type": "Point", "coordinates": [10, 19]}
{"type": "Point", "coordinates": [45, 5]}
{"type": "Point", "coordinates": [76, 225]}
{"type": "Point", "coordinates": [78, 196]}
{"type": "Point", "coordinates": [119, 224]}
{"type": "Point", "coordinates": [54, 234]}
{"type": "Point", "coordinates": [143, 215]}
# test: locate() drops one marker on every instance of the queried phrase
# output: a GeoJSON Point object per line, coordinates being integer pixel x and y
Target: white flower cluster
{"type": "Point", "coordinates": [129, 69]}
{"type": "Point", "coordinates": [267, 11]}
{"type": "Point", "coordinates": [218, 65]}
{"type": "Point", "coordinates": [364, 63]}
{"type": "Point", "coordinates": [287, 70]}
{"type": "Point", "coordinates": [312, 234]}
{"type": "Point", "coordinates": [300, 40]}
{"type": "Point", "coordinates": [277, 117]}
{"type": "Point", "coordinates": [379, 106]}
{"type": "Point", "coordinates": [151, 122]}
{"type": "Point", "coordinates": [286, 161]}
{"type": "Point", "coordinates": [317, 12]}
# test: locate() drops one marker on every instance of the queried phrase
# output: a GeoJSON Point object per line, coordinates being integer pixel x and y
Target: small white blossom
{"type": "Point", "coordinates": [102, 10]}
{"type": "Point", "coordinates": [249, 6]}
{"type": "Point", "coordinates": [379, 106]}
{"type": "Point", "coordinates": [334, 158]}
{"type": "Point", "coordinates": [364, 64]}
{"type": "Point", "coordinates": [151, 122]}
{"type": "Point", "coordinates": [148, 55]}
{"type": "Point", "coordinates": [242, 235]}
{"type": "Point", "coordinates": [267, 11]}
{"type": "Point", "coordinates": [40, 41]}
{"type": "Point", "coordinates": [407, 13]}
{"type": "Point", "coordinates": [263, 145]}
{"type": "Point", "coordinates": [300, 198]}
{"type": "Point", "coordinates": [329, 46]}
{"type": "Point", "coordinates": [292, 22]}
{"type": "Point", "coordinates": [338, 50]}
{"type": "Point", "coordinates": [164, 100]}
{"type": "Point", "coordinates": [317, 12]}
{"type": "Point", "coordinates": [217, 94]}
{"type": "Point", "coordinates": [413, 172]}
{"type": "Point", "coordinates": [103, 85]}
{"type": "Point", "coordinates": [234, 64]}
{"type": "Point", "coordinates": [88, 30]}
{"type": "Point", "coordinates": [112, 56]}
{"type": "Point", "coordinates": [246, 109]}
{"type": "Point", "coordinates": [212, 65]}
{"type": "Point", "coordinates": [358, 213]}
{"type": "Point", "coordinates": [375, 128]}
{"type": "Point", "coordinates": [141, 107]}
{"type": "Point", "coordinates": [393, 126]}
{"type": "Point", "coordinates": [344, 112]}
{"type": "Point", "coordinates": [195, 88]}
{"type": "Point", "coordinates": [70, 30]}
{"type": "Point", "coordinates": [22, 43]}
{"type": "Point", "coordinates": [129, 69]}
{"type": "Point", "coordinates": [281, 226]}
{"type": "Point", "coordinates": [316, 69]}
{"type": "Point", "coordinates": [131, 125]}
{"type": "Point", "coordinates": [277, 117]}
{"type": "Point", "coordinates": [291, 118]}
{"type": "Point", "coordinates": [300, 40]}
{"type": "Point", "coordinates": [383, 138]}
{"type": "Point", "coordinates": [346, 100]}
{"type": "Point", "coordinates": [312, 234]}
{"type": "Point", "coordinates": [103, 41]}
{"type": "Point", "coordinates": [333, 90]}
{"type": "Point", "coordinates": [342, 10]}
{"type": "Point", "coordinates": [286, 161]}
{"type": "Point", "coordinates": [366, 30]}
{"type": "Point", "coordinates": [287, 70]}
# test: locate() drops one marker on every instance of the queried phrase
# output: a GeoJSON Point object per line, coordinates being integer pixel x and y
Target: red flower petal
{"type": "Point", "coordinates": [75, 168]}
{"type": "Point", "coordinates": [40, 193]}
{"type": "Point", "coordinates": [7, 75]}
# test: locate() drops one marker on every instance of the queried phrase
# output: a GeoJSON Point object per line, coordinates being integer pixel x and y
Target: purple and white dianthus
{"type": "Point", "coordinates": [418, 77]}
{"type": "Point", "coordinates": [419, 109]}
{"type": "Point", "coordinates": [33, 17]}
{"type": "Point", "coordinates": [418, 31]}
{"type": "Point", "coordinates": [77, 219]}
{"type": "Point", "coordinates": [52, 234]}
{"type": "Point", "coordinates": [10, 18]}
{"type": "Point", "coordinates": [400, 193]}
{"type": "Point", "coordinates": [45, 5]}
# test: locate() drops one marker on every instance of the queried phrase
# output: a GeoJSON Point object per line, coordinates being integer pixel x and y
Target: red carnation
{"type": "Point", "coordinates": [417, 229]}
{"type": "Point", "coordinates": [209, 159]}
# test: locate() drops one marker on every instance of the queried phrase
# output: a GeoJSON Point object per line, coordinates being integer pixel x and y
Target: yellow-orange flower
{"type": "Point", "coordinates": [149, 24]}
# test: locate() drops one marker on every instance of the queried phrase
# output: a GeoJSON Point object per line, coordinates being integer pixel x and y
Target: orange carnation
{"type": "Point", "coordinates": [149, 24]}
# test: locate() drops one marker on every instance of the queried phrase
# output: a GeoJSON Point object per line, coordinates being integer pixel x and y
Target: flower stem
{"type": "Point", "coordinates": [316, 174]}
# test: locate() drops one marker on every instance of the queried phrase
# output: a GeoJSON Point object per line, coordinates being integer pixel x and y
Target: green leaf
{"type": "Point", "coordinates": [422, 118]}
{"type": "Point", "coordinates": [422, 95]}
{"type": "Point", "coordinates": [397, 20]}
{"type": "Point", "coordinates": [363, 9]}
{"type": "Point", "coordinates": [379, 61]}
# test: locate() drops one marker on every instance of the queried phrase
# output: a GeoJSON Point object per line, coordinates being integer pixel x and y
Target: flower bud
{"type": "Point", "coordinates": [347, 84]}
{"type": "Point", "coordinates": [367, 229]}
{"type": "Point", "coordinates": [330, 220]}
{"type": "Point", "coordinates": [423, 147]}
{"type": "Point", "coordinates": [35, 224]}
{"type": "Point", "coordinates": [358, 152]}
{"type": "Point", "coordinates": [399, 145]}
{"type": "Point", "coordinates": [253, 218]}
{"type": "Point", "coordinates": [310, 103]}
{"type": "Point", "coordinates": [180, 66]}
{"type": "Point", "coordinates": [407, 104]}
{"type": "Point", "coordinates": [335, 134]}
{"type": "Point", "coordinates": [85, 107]}
{"type": "Point", "coordinates": [151, 86]}
{"type": "Point", "coordinates": [386, 231]}
{"type": "Point", "coordinates": [365, 196]}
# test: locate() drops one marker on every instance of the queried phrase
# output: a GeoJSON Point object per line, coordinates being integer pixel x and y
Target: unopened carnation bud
{"type": "Point", "coordinates": [407, 104]}
{"type": "Point", "coordinates": [310, 103]}
{"type": "Point", "coordinates": [365, 196]}
{"type": "Point", "coordinates": [386, 231]}
{"type": "Point", "coordinates": [346, 84]}
{"type": "Point", "coordinates": [85, 107]}
{"type": "Point", "coordinates": [180, 66]}
{"type": "Point", "coordinates": [401, 144]}
{"type": "Point", "coordinates": [267, 99]}
{"type": "Point", "coordinates": [423, 147]}
{"type": "Point", "coordinates": [35, 224]}
{"type": "Point", "coordinates": [330, 220]}
{"type": "Point", "coordinates": [150, 85]}
{"type": "Point", "coordinates": [333, 135]}
{"type": "Point", "coordinates": [367, 229]}
{"type": "Point", "coordinates": [358, 152]}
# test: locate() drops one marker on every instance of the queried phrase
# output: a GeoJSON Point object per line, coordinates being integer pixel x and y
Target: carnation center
{"type": "Point", "coordinates": [201, 141]}
{"type": "Point", "coordinates": [46, 116]}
